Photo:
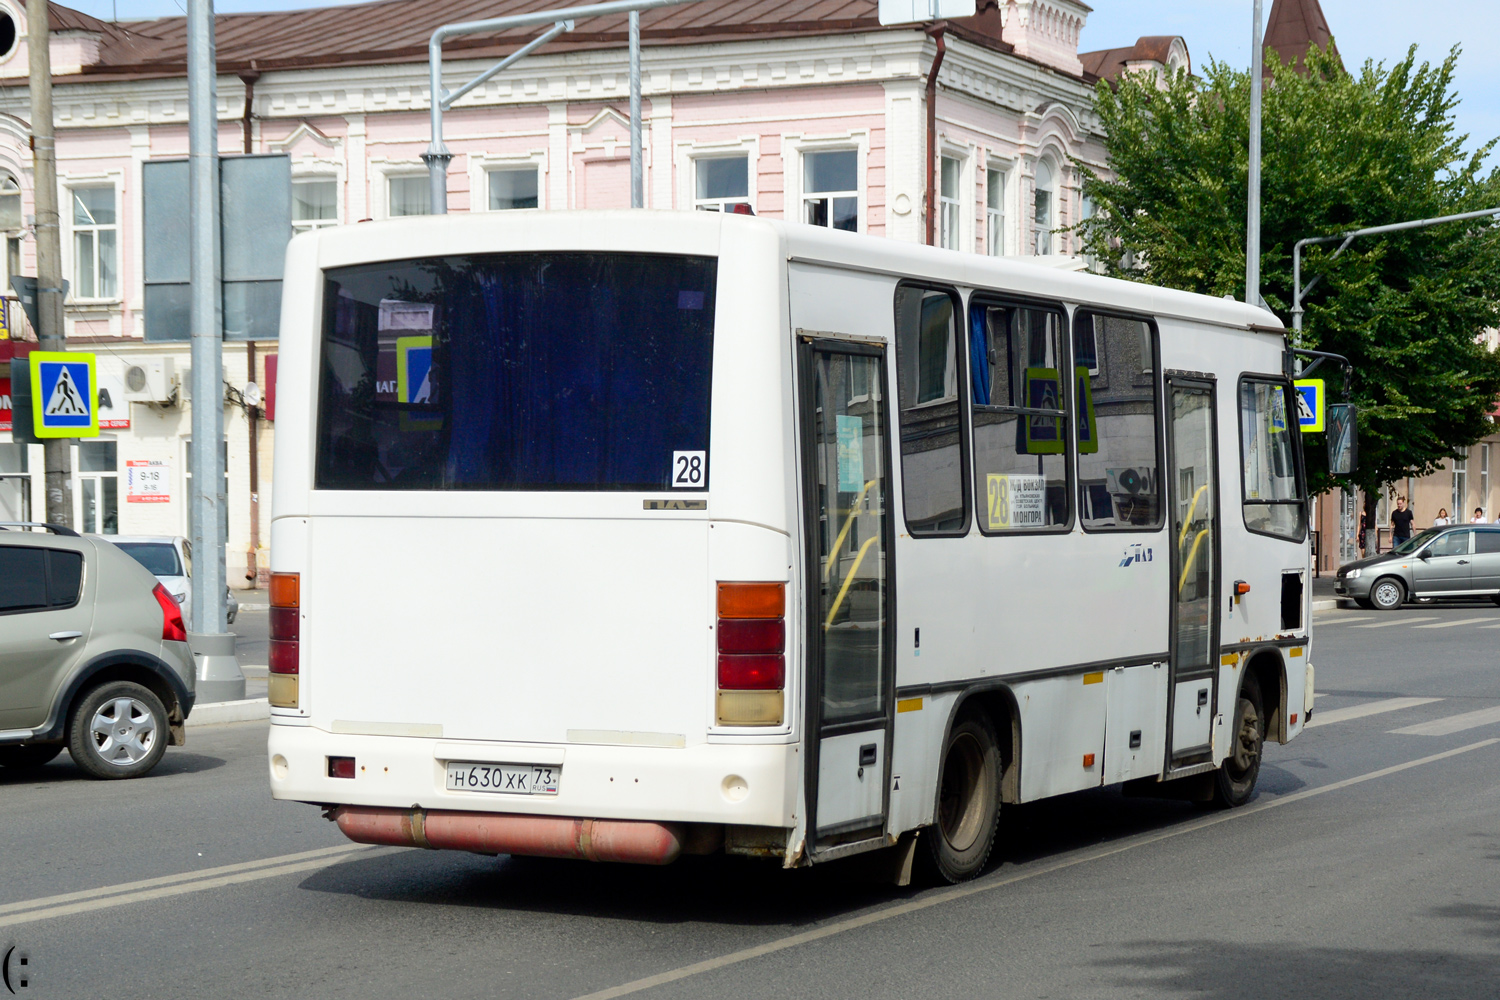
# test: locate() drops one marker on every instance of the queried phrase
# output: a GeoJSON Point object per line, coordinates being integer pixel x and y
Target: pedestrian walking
{"type": "Point", "coordinates": [1442, 518]}
{"type": "Point", "coordinates": [1364, 533]}
{"type": "Point", "coordinates": [1478, 517]}
{"type": "Point", "coordinates": [1401, 519]}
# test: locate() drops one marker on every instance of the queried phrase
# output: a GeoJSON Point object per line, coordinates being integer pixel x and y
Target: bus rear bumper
{"type": "Point", "coordinates": [721, 783]}
{"type": "Point", "coordinates": [632, 841]}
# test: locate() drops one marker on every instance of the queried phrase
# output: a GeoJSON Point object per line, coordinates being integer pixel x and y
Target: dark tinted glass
{"type": "Point", "coordinates": [64, 577]}
{"type": "Point", "coordinates": [1486, 541]}
{"type": "Point", "coordinates": [23, 579]}
{"type": "Point", "coordinates": [932, 476]}
{"type": "Point", "coordinates": [536, 371]}
{"type": "Point", "coordinates": [1114, 365]}
{"type": "Point", "coordinates": [158, 557]}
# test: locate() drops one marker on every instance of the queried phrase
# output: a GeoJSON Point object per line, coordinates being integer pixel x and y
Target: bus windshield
{"type": "Point", "coordinates": [524, 371]}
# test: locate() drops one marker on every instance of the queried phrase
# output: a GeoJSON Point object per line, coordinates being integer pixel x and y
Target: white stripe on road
{"type": "Point", "coordinates": [1342, 620]}
{"type": "Point", "coordinates": [986, 885]}
{"type": "Point", "coordinates": [1399, 621]}
{"type": "Point", "coordinates": [1453, 723]}
{"type": "Point", "coordinates": [1368, 708]}
{"type": "Point", "coordinates": [206, 878]}
{"type": "Point", "coordinates": [1462, 621]}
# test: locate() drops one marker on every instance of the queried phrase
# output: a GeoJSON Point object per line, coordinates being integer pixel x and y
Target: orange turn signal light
{"type": "Point", "coordinates": [752, 600]}
{"type": "Point", "coordinates": [1241, 587]}
{"type": "Point", "coordinates": [286, 590]}
{"type": "Point", "coordinates": [1088, 760]}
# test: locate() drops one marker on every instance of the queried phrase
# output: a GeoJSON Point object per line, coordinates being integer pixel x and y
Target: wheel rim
{"type": "Point", "coordinates": [124, 731]}
{"type": "Point", "coordinates": [1387, 594]}
{"type": "Point", "coordinates": [960, 815]}
{"type": "Point", "coordinates": [1247, 741]}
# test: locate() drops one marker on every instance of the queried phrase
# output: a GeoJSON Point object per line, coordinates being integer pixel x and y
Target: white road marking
{"type": "Point", "coordinates": [1462, 621]}
{"type": "Point", "coordinates": [1453, 723]}
{"type": "Point", "coordinates": [153, 888]}
{"type": "Point", "coordinates": [1399, 621]}
{"type": "Point", "coordinates": [992, 883]}
{"type": "Point", "coordinates": [1368, 708]}
{"type": "Point", "coordinates": [1342, 620]}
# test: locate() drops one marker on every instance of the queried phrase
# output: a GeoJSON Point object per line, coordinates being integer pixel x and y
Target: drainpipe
{"type": "Point", "coordinates": [252, 413]}
{"type": "Point", "coordinates": [936, 32]}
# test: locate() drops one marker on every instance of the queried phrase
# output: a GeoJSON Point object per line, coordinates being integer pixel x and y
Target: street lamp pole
{"type": "Point", "coordinates": [1252, 212]}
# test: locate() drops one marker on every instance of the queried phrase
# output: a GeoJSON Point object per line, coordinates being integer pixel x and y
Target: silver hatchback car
{"type": "Point", "coordinates": [93, 655]}
{"type": "Point", "coordinates": [1456, 561]}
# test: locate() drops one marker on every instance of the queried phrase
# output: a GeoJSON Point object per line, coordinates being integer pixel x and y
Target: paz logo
{"type": "Point", "coordinates": [1135, 554]}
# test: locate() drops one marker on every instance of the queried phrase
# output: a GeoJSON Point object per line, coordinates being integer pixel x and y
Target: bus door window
{"type": "Point", "coordinates": [928, 383]}
{"type": "Point", "coordinates": [1020, 423]}
{"type": "Point", "coordinates": [1116, 407]}
{"type": "Point", "coordinates": [1194, 579]}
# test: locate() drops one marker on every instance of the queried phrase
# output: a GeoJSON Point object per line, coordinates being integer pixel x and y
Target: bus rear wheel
{"type": "Point", "coordinates": [968, 806]}
{"type": "Point", "coordinates": [1235, 780]}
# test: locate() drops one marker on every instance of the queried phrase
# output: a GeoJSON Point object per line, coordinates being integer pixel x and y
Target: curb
{"type": "Point", "coordinates": [1326, 605]}
{"type": "Point", "coordinates": [215, 713]}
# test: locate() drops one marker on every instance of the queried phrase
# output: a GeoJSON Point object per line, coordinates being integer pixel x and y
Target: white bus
{"type": "Point", "coordinates": [618, 535]}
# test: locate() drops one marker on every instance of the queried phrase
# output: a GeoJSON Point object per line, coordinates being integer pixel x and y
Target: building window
{"type": "Point", "coordinates": [1484, 478]}
{"type": "Point", "coordinates": [15, 483]}
{"type": "Point", "coordinates": [1042, 216]}
{"type": "Point", "coordinates": [10, 203]}
{"type": "Point", "coordinates": [513, 187]}
{"type": "Point", "coordinates": [1456, 511]}
{"type": "Point", "coordinates": [1020, 426]}
{"type": "Point", "coordinates": [932, 459]}
{"type": "Point", "coordinates": [994, 212]}
{"type": "Point", "coordinates": [722, 184]}
{"type": "Point", "coordinates": [97, 463]}
{"type": "Point", "coordinates": [1274, 499]}
{"type": "Point", "coordinates": [410, 196]}
{"type": "Point", "coordinates": [95, 254]}
{"type": "Point", "coordinates": [315, 204]}
{"type": "Point", "coordinates": [1116, 413]}
{"type": "Point", "coordinates": [830, 189]}
{"type": "Point", "coordinates": [949, 202]}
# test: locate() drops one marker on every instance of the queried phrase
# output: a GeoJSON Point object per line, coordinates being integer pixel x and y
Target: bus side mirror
{"type": "Point", "coordinates": [1343, 439]}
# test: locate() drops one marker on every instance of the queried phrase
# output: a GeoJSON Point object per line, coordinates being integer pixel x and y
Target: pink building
{"type": "Point", "coordinates": [805, 109]}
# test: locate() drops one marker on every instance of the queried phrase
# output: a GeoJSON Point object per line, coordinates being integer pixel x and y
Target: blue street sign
{"type": "Point", "coordinates": [64, 394]}
{"type": "Point", "coordinates": [1311, 407]}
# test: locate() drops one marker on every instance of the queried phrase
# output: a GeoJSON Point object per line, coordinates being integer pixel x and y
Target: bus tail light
{"type": "Point", "coordinates": [286, 641]}
{"type": "Point", "coordinates": [751, 634]}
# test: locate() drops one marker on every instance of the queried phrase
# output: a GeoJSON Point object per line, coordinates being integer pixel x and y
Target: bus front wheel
{"type": "Point", "coordinates": [968, 806]}
{"type": "Point", "coordinates": [1235, 780]}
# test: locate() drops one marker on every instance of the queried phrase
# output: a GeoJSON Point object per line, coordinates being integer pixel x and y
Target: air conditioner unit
{"type": "Point", "coordinates": [151, 380]}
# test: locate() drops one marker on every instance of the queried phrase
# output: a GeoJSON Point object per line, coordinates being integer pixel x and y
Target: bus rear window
{"type": "Point", "coordinates": [525, 371]}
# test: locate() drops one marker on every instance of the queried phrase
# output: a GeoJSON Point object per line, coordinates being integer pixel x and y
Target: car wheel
{"type": "Point", "coordinates": [968, 807]}
{"type": "Point", "coordinates": [119, 730]}
{"type": "Point", "coordinates": [29, 755]}
{"type": "Point", "coordinates": [1235, 780]}
{"type": "Point", "coordinates": [1388, 594]}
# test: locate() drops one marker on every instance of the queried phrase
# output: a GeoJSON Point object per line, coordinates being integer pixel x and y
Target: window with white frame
{"type": "Point", "coordinates": [830, 189]}
{"type": "Point", "coordinates": [315, 204]}
{"type": "Point", "coordinates": [994, 212]}
{"type": "Point", "coordinates": [721, 183]}
{"type": "Point", "coordinates": [1484, 478]}
{"type": "Point", "coordinates": [512, 187]}
{"type": "Point", "coordinates": [1460, 491]}
{"type": "Point", "coordinates": [10, 202]}
{"type": "Point", "coordinates": [1043, 209]}
{"type": "Point", "coordinates": [949, 202]}
{"type": "Point", "coordinates": [96, 266]}
{"type": "Point", "coordinates": [409, 195]}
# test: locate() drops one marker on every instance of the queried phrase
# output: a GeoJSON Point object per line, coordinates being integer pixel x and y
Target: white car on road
{"type": "Point", "coordinates": [170, 559]}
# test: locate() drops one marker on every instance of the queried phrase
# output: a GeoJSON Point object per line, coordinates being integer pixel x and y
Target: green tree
{"type": "Point", "coordinates": [1341, 151]}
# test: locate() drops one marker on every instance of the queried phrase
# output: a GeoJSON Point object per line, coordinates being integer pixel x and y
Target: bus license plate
{"type": "Point", "coordinates": [506, 779]}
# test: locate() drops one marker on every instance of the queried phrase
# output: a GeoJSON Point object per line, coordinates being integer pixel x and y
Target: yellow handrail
{"type": "Point", "coordinates": [1189, 519]}
{"type": "Point", "coordinates": [848, 579]}
{"type": "Point", "coordinates": [1187, 567]}
{"type": "Point", "coordinates": [844, 531]}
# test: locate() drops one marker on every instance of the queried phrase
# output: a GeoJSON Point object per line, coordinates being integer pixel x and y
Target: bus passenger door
{"type": "Point", "coordinates": [850, 608]}
{"type": "Point", "coordinates": [1191, 441]}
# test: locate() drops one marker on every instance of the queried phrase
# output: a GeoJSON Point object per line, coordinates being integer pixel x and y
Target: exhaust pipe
{"type": "Point", "coordinates": [637, 842]}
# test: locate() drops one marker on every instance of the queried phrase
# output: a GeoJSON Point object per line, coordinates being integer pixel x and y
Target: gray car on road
{"type": "Point", "coordinates": [1454, 561]}
{"type": "Point", "coordinates": [93, 655]}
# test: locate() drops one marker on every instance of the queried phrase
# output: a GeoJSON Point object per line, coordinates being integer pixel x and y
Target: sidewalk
{"type": "Point", "coordinates": [1322, 593]}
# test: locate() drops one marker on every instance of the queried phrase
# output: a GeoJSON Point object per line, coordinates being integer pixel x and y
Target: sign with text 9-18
{"type": "Point", "coordinates": [64, 394]}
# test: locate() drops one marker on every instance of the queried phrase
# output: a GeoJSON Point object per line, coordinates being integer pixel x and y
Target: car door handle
{"type": "Point", "coordinates": [1463, 562]}
{"type": "Point", "coordinates": [61, 636]}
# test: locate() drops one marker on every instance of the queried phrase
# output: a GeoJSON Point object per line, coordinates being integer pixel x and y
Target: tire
{"type": "Point", "coordinates": [1388, 594]}
{"type": "Point", "coordinates": [28, 756]}
{"type": "Point", "coordinates": [119, 730]}
{"type": "Point", "coordinates": [1364, 602]}
{"type": "Point", "coordinates": [968, 809]}
{"type": "Point", "coordinates": [1234, 781]}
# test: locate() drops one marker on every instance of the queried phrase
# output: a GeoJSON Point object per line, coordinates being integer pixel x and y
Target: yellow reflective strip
{"type": "Point", "coordinates": [1096, 677]}
{"type": "Point", "coordinates": [1296, 651]}
{"type": "Point", "coordinates": [909, 705]}
{"type": "Point", "coordinates": [1229, 659]}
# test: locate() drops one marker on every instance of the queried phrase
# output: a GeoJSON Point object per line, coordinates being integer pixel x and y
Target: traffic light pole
{"type": "Point", "coordinates": [50, 333]}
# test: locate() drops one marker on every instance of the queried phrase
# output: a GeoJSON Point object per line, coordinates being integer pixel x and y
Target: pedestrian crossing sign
{"type": "Point", "coordinates": [1311, 407]}
{"type": "Point", "coordinates": [64, 394]}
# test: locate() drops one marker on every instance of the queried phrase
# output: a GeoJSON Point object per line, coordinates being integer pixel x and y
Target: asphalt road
{"type": "Point", "coordinates": [1368, 866]}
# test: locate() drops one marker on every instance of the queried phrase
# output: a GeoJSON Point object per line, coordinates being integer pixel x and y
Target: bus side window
{"type": "Point", "coordinates": [1116, 408]}
{"type": "Point", "coordinates": [1020, 425]}
{"type": "Point", "coordinates": [928, 383]}
{"type": "Point", "coordinates": [1274, 495]}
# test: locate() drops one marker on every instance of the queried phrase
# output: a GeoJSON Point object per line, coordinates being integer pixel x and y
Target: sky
{"type": "Point", "coordinates": [1364, 29]}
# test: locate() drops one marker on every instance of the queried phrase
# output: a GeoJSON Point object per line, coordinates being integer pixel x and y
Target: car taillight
{"type": "Point", "coordinates": [171, 615]}
{"type": "Point", "coordinates": [286, 640]}
{"type": "Point", "coordinates": [751, 634]}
